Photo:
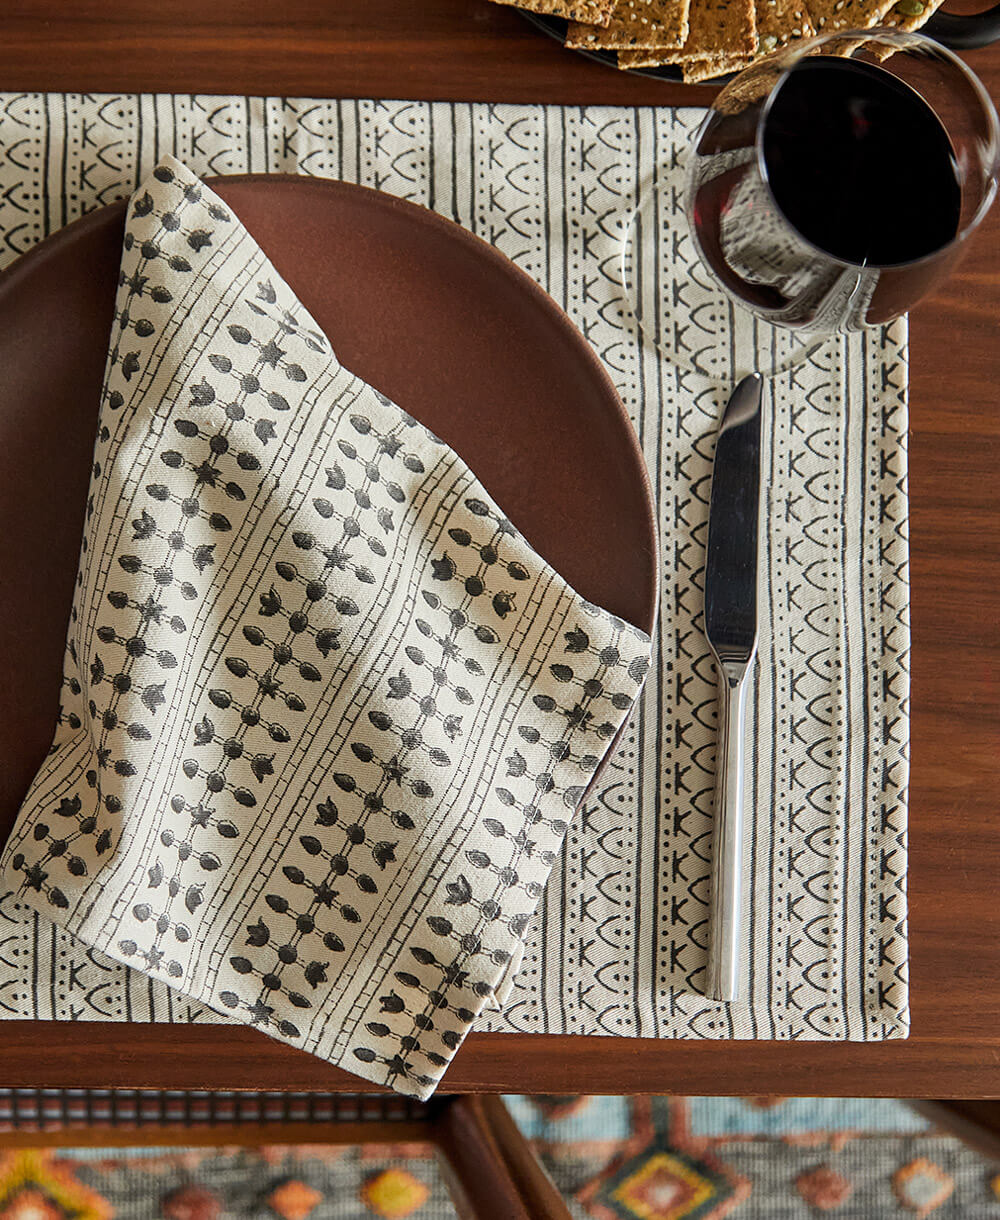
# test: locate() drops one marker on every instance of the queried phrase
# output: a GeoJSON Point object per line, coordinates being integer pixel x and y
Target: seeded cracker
{"type": "Point", "coordinates": [782, 21]}
{"type": "Point", "coordinates": [649, 57]}
{"type": "Point", "coordinates": [831, 15]}
{"type": "Point", "coordinates": [717, 28]}
{"type": "Point", "coordinates": [911, 14]}
{"type": "Point", "coordinates": [779, 22]}
{"type": "Point", "coordinates": [904, 17]}
{"type": "Point", "coordinates": [595, 11]}
{"type": "Point", "coordinates": [695, 70]}
{"type": "Point", "coordinates": [635, 23]}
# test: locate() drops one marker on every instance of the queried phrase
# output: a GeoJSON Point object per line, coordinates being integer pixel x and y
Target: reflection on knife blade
{"type": "Point", "coordinates": [731, 630]}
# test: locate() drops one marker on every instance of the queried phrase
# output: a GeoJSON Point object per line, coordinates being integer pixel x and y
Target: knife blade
{"type": "Point", "coordinates": [731, 630]}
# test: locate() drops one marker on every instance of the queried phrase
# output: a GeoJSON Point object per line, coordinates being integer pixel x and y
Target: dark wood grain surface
{"type": "Point", "coordinates": [473, 50]}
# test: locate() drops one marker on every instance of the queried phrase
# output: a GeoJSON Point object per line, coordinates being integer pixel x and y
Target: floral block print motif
{"type": "Point", "coordinates": [326, 716]}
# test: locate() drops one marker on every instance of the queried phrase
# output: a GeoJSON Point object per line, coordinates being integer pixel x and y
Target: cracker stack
{"type": "Point", "coordinates": [709, 38]}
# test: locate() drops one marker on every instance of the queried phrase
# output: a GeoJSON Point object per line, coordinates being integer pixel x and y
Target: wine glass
{"type": "Point", "coordinates": [830, 186]}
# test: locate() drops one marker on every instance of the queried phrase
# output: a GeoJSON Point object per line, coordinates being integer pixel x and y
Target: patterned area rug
{"type": "Point", "coordinates": [615, 1158]}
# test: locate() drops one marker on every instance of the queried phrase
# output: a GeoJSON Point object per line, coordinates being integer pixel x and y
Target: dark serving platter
{"type": "Point", "coordinates": [959, 31]}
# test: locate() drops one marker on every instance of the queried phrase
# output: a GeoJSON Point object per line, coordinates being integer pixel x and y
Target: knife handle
{"type": "Point", "coordinates": [723, 982]}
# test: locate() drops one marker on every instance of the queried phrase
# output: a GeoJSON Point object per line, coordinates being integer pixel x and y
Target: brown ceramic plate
{"type": "Point", "coordinates": [432, 316]}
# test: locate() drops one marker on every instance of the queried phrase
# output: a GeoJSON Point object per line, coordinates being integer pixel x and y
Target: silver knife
{"type": "Point", "coordinates": [731, 629]}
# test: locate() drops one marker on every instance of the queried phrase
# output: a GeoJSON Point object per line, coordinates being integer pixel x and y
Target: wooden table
{"type": "Point", "coordinates": [473, 50]}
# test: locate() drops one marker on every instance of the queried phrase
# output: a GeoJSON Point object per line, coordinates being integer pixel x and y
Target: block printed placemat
{"type": "Point", "coordinates": [618, 944]}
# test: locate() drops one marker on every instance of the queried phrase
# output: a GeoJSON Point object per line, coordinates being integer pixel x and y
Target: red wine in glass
{"type": "Point", "coordinates": [833, 202]}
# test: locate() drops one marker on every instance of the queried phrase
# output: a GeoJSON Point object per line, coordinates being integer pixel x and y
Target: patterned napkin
{"type": "Point", "coordinates": [327, 716]}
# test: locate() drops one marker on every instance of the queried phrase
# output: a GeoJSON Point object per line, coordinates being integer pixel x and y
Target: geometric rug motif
{"type": "Point", "coordinates": [35, 1186]}
{"type": "Point", "coordinates": [663, 1183]}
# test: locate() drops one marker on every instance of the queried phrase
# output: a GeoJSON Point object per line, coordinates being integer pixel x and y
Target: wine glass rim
{"type": "Point", "coordinates": [903, 40]}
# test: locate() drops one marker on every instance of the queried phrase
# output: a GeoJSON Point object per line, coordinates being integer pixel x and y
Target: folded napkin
{"type": "Point", "coordinates": [326, 714]}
